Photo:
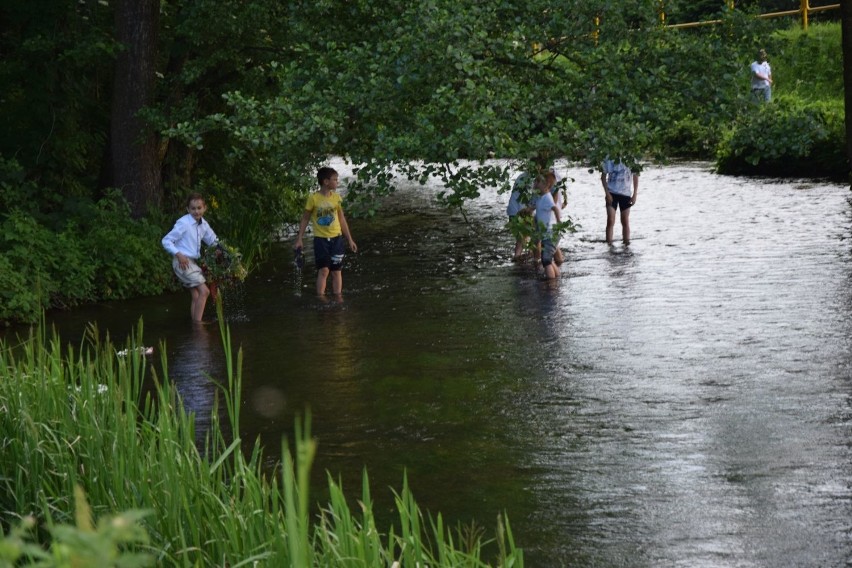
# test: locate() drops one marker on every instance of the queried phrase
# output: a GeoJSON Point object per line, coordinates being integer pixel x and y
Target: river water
{"type": "Point", "coordinates": [684, 401]}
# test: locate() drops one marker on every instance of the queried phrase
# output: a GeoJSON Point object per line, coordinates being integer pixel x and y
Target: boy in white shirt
{"type": "Point", "coordinates": [183, 242]}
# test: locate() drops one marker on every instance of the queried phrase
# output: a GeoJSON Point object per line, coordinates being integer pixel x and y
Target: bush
{"type": "Point", "coordinates": [786, 138]}
{"type": "Point", "coordinates": [691, 137]}
{"type": "Point", "coordinates": [54, 265]}
{"type": "Point", "coordinates": [87, 252]}
{"type": "Point", "coordinates": [19, 300]}
{"type": "Point", "coordinates": [126, 252]}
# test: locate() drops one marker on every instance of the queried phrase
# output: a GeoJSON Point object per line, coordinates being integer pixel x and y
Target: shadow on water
{"type": "Point", "coordinates": [684, 401]}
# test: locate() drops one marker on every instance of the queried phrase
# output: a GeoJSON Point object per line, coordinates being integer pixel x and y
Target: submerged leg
{"type": "Point", "coordinates": [322, 278]}
{"type": "Point", "coordinates": [199, 301]}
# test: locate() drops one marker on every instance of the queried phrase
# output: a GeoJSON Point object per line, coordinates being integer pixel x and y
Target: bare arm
{"type": "Point", "coordinates": [635, 189]}
{"type": "Point", "coordinates": [606, 189]}
{"type": "Point", "coordinates": [344, 227]}
{"type": "Point", "coordinates": [303, 225]}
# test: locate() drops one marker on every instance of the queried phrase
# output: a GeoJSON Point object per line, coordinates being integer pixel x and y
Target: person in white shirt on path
{"type": "Point", "coordinates": [761, 78]}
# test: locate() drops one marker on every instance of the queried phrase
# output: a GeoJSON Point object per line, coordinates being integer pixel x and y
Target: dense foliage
{"type": "Point", "coordinates": [787, 138]}
{"type": "Point", "coordinates": [77, 252]}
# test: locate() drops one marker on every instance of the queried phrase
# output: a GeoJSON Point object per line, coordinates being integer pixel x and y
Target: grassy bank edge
{"type": "Point", "coordinates": [83, 439]}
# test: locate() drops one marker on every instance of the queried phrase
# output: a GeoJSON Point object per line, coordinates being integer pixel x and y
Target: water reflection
{"type": "Point", "coordinates": [195, 362]}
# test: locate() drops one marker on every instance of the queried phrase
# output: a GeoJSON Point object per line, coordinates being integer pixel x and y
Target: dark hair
{"type": "Point", "coordinates": [194, 196]}
{"type": "Point", "coordinates": [325, 173]}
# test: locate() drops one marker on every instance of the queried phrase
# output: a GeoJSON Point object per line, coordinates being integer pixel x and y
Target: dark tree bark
{"type": "Point", "coordinates": [135, 161]}
{"type": "Point", "coordinates": [846, 27]}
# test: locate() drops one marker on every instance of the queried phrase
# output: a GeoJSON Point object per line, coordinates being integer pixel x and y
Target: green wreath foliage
{"type": "Point", "coordinates": [223, 263]}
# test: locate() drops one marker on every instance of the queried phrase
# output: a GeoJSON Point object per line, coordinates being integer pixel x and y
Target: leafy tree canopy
{"type": "Point", "coordinates": [418, 86]}
{"type": "Point", "coordinates": [251, 96]}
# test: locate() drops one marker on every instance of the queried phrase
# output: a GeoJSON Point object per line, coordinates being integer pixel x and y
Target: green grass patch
{"type": "Point", "coordinates": [809, 64]}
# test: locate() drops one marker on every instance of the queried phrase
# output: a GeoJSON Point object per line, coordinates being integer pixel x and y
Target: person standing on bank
{"type": "Point", "coordinates": [621, 187]}
{"type": "Point", "coordinates": [761, 78]}
{"type": "Point", "coordinates": [183, 242]}
{"type": "Point", "coordinates": [324, 210]}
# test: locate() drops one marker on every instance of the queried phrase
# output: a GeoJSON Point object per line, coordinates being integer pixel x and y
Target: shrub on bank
{"type": "Point", "coordinates": [786, 138]}
{"type": "Point", "coordinates": [49, 268]}
{"type": "Point", "coordinates": [129, 260]}
{"type": "Point", "coordinates": [691, 137]}
{"type": "Point", "coordinates": [74, 251]}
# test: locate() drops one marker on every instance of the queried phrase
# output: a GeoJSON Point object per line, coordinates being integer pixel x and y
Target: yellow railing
{"type": "Point", "coordinates": [804, 11]}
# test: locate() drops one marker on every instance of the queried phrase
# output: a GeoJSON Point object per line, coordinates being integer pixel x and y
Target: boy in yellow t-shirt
{"type": "Point", "coordinates": [324, 210]}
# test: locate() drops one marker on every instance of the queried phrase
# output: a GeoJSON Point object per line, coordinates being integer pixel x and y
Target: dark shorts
{"type": "Point", "coordinates": [619, 200]}
{"type": "Point", "coordinates": [548, 251]}
{"type": "Point", "coordinates": [328, 253]}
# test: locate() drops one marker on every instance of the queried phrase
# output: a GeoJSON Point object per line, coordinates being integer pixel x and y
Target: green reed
{"type": "Point", "coordinates": [84, 419]}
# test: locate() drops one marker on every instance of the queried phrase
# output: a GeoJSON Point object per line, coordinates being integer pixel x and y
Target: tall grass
{"type": "Point", "coordinates": [86, 417]}
{"type": "Point", "coordinates": [808, 64]}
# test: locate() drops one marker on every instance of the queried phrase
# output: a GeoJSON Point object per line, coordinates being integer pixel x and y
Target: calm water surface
{"type": "Point", "coordinates": [684, 401]}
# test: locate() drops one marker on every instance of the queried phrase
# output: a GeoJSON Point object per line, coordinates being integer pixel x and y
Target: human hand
{"type": "Point", "coordinates": [183, 261]}
{"type": "Point", "coordinates": [353, 246]}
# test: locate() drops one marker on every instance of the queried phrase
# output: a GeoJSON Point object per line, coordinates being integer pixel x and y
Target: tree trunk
{"type": "Point", "coordinates": [135, 163]}
{"type": "Point", "coordinates": [846, 26]}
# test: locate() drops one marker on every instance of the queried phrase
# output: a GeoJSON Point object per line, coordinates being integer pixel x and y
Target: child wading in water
{"type": "Point", "coordinates": [324, 210]}
{"type": "Point", "coordinates": [183, 242]}
{"type": "Point", "coordinates": [621, 187]}
{"type": "Point", "coordinates": [547, 214]}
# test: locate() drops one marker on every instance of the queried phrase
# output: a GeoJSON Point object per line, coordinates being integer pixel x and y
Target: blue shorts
{"type": "Point", "coordinates": [328, 253]}
{"type": "Point", "coordinates": [619, 200]}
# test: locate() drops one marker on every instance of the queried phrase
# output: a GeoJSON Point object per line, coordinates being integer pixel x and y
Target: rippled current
{"type": "Point", "coordinates": [684, 401]}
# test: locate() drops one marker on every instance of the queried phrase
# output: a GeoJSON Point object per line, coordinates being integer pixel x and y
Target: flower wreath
{"type": "Point", "coordinates": [223, 263]}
